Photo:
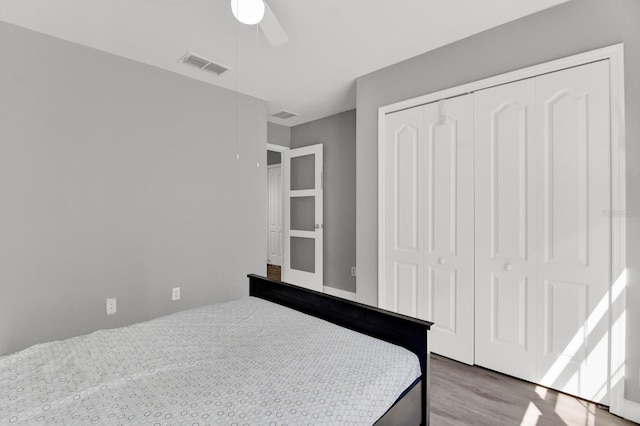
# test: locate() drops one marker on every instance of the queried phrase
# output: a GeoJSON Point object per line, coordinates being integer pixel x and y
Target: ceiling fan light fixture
{"type": "Point", "coordinates": [248, 12]}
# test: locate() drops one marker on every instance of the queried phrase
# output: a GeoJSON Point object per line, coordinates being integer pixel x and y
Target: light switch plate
{"type": "Point", "coordinates": [111, 306]}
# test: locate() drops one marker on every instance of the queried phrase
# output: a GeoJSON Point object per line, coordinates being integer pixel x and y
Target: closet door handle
{"type": "Point", "coordinates": [508, 267]}
{"type": "Point", "coordinates": [442, 261]}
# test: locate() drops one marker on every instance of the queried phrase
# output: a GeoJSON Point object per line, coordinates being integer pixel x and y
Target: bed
{"type": "Point", "coordinates": [263, 359]}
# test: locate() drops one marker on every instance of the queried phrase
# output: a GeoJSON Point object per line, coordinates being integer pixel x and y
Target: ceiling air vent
{"type": "Point", "coordinates": [203, 64]}
{"type": "Point", "coordinates": [284, 115]}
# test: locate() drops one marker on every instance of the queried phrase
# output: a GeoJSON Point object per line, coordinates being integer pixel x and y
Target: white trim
{"type": "Point", "coordinates": [306, 150]}
{"type": "Point", "coordinates": [629, 410]}
{"type": "Point", "coordinates": [281, 149]}
{"type": "Point", "coordinates": [535, 70]}
{"type": "Point", "coordinates": [382, 111]}
{"type": "Point", "coordinates": [340, 293]}
{"type": "Point", "coordinates": [278, 148]}
{"type": "Point", "coordinates": [615, 54]}
{"type": "Point", "coordinates": [302, 193]}
{"type": "Point", "coordinates": [269, 168]}
{"type": "Point", "coordinates": [302, 234]}
{"type": "Point", "coordinates": [619, 405]}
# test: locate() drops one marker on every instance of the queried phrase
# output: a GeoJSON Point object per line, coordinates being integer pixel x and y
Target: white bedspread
{"type": "Point", "coordinates": [243, 362]}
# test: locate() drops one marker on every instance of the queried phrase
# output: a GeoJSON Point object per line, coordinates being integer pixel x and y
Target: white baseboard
{"type": "Point", "coordinates": [340, 293]}
{"type": "Point", "coordinates": [629, 410]}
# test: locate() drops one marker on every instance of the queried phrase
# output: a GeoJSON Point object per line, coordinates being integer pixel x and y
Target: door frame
{"type": "Point", "coordinates": [617, 292]}
{"type": "Point", "coordinates": [281, 149]}
{"type": "Point", "coordinates": [269, 168]}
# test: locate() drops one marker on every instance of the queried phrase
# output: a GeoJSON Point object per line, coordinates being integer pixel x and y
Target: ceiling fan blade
{"type": "Point", "coordinates": [271, 28]}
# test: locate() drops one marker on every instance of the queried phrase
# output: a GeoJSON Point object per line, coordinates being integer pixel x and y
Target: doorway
{"type": "Point", "coordinates": [275, 206]}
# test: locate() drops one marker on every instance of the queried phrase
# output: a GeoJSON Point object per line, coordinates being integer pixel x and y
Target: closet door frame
{"type": "Point", "coordinates": [617, 293]}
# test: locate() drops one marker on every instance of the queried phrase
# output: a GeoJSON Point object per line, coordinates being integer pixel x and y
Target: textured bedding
{"type": "Point", "coordinates": [243, 362]}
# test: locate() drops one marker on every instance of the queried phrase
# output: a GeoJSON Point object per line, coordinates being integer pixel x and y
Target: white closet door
{"type": "Point", "coordinates": [401, 287]}
{"type": "Point", "coordinates": [574, 193]}
{"type": "Point", "coordinates": [448, 226]}
{"type": "Point", "coordinates": [505, 229]}
{"type": "Point", "coordinates": [542, 233]}
{"type": "Point", "coordinates": [275, 215]}
{"type": "Point", "coordinates": [427, 221]}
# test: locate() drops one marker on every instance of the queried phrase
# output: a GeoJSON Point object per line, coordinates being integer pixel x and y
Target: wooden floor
{"type": "Point", "coordinates": [466, 395]}
{"type": "Point", "coordinates": [274, 272]}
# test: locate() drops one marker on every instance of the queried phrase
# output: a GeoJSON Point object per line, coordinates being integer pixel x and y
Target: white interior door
{"type": "Point", "coordinates": [427, 257]}
{"type": "Point", "coordinates": [574, 231]}
{"type": "Point", "coordinates": [276, 205]}
{"type": "Point", "coordinates": [505, 244]}
{"type": "Point", "coordinates": [303, 220]}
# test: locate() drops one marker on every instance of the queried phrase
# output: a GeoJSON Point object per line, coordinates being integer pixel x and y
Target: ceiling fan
{"type": "Point", "coordinates": [252, 12]}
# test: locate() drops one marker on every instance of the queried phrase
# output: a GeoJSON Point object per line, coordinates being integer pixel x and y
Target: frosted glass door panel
{"type": "Point", "coordinates": [303, 254]}
{"type": "Point", "coordinates": [303, 172]}
{"type": "Point", "coordinates": [303, 217]}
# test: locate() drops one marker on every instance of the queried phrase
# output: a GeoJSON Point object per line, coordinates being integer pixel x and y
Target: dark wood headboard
{"type": "Point", "coordinates": [401, 330]}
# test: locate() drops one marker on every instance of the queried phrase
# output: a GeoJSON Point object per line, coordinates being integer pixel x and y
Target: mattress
{"type": "Point", "coordinates": [247, 361]}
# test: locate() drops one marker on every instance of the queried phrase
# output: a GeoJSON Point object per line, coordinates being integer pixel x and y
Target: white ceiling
{"type": "Point", "coordinates": [331, 42]}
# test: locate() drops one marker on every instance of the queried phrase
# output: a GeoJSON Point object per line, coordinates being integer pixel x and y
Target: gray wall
{"type": "Point", "coordinates": [337, 134]}
{"type": "Point", "coordinates": [278, 134]}
{"type": "Point", "coordinates": [567, 29]}
{"type": "Point", "coordinates": [118, 179]}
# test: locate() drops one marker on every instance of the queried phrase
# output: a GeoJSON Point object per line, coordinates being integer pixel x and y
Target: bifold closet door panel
{"type": "Point", "coordinates": [574, 194]}
{"type": "Point", "coordinates": [448, 232]}
{"type": "Point", "coordinates": [427, 221]}
{"type": "Point", "coordinates": [543, 238]}
{"type": "Point", "coordinates": [505, 238]}
{"type": "Point", "coordinates": [402, 287]}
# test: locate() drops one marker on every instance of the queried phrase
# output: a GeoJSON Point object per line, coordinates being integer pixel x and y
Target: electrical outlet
{"type": "Point", "coordinates": [175, 293]}
{"type": "Point", "coordinates": [111, 306]}
{"type": "Point", "coordinates": [353, 271]}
